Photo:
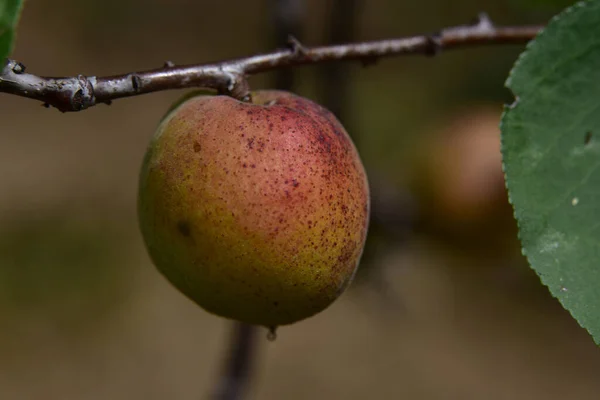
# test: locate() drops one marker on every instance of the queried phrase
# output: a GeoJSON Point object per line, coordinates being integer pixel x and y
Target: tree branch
{"type": "Point", "coordinates": [229, 77]}
{"type": "Point", "coordinates": [238, 365]}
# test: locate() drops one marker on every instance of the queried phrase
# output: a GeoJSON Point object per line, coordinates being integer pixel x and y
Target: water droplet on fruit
{"type": "Point", "coordinates": [272, 335]}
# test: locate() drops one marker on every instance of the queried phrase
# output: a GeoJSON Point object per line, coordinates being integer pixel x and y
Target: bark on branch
{"type": "Point", "coordinates": [229, 77]}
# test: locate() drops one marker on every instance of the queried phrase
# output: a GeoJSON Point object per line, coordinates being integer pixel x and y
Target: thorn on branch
{"type": "Point", "coordinates": [169, 64]}
{"type": "Point", "coordinates": [18, 68]}
{"type": "Point", "coordinates": [484, 23]}
{"type": "Point", "coordinates": [296, 47]}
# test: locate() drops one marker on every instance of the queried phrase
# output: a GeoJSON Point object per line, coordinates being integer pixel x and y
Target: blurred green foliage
{"type": "Point", "coordinates": [9, 16]}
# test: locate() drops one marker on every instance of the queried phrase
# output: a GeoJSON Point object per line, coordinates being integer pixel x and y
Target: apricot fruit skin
{"type": "Point", "coordinates": [258, 212]}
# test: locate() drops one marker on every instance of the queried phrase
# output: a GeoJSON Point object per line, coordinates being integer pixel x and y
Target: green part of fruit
{"type": "Point", "coordinates": [258, 212]}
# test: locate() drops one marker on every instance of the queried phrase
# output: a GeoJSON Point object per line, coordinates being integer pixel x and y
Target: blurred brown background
{"type": "Point", "coordinates": [445, 307]}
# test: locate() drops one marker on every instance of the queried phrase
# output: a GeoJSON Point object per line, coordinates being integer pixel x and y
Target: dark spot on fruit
{"type": "Point", "coordinates": [184, 228]}
{"type": "Point", "coordinates": [197, 147]}
{"type": "Point", "coordinates": [245, 165]}
{"type": "Point", "coordinates": [588, 138]}
{"type": "Point", "coordinates": [295, 183]}
{"type": "Point", "coordinates": [261, 146]}
{"type": "Point", "coordinates": [346, 253]}
{"type": "Point", "coordinates": [253, 166]}
{"type": "Point", "coordinates": [251, 143]}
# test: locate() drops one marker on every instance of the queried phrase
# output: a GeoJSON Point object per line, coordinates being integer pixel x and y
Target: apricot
{"type": "Point", "coordinates": [258, 212]}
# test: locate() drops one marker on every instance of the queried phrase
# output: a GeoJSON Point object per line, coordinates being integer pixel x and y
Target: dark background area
{"type": "Point", "coordinates": [444, 306]}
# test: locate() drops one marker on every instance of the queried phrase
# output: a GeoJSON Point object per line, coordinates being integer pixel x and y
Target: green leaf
{"type": "Point", "coordinates": [9, 16]}
{"type": "Point", "coordinates": [551, 155]}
